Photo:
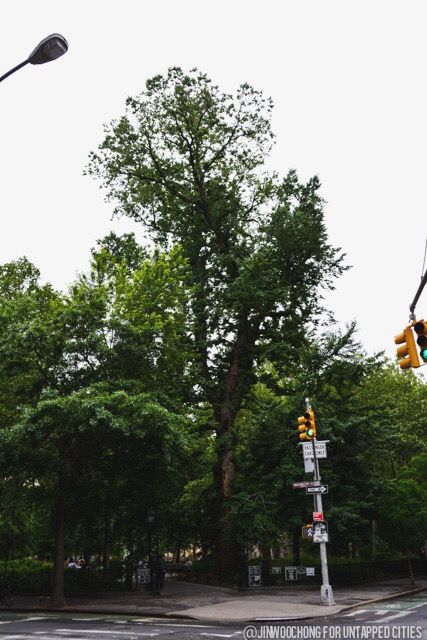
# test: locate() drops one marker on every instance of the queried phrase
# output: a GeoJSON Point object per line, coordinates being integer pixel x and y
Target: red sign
{"type": "Point", "coordinates": [317, 515]}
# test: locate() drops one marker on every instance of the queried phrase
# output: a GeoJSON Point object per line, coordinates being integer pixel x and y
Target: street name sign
{"type": "Point", "coordinates": [317, 516]}
{"type": "Point", "coordinates": [323, 488]}
{"type": "Point", "coordinates": [307, 449]}
{"type": "Point", "coordinates": [304, 484]}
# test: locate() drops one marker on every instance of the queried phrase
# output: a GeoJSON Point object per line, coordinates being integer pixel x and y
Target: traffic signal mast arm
{"type": "Point", "coordinates": [417, 295]}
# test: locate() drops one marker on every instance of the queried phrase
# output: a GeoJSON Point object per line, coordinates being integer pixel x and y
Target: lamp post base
{"type": "Point", "coordinates": [326, 595]}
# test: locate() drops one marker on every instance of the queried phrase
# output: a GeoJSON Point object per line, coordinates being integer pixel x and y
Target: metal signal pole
{"type": "Point", "coordinates": [326, 594]}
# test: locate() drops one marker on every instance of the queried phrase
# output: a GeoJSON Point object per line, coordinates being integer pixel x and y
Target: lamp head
{"type": "Point", "coordinates": [50, 48]}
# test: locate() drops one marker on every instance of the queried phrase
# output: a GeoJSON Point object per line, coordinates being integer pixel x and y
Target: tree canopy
{"type": "Point", "coordinates": [188, 162]}
{"type": "Point", "coordinates": [167, 381]}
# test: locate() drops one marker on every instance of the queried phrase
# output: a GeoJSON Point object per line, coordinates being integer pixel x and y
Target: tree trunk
{"type": "Point", "coordinates": [236, 384]}
{"type": "Point", "coordinates": [228, 549]}
{"type": "Point", "coordinates": [296, 547]}
{"type": "Point", "coordinates": [265, 564]}
{"type": "Point", "coordinates": [58, 567]}
{"type": "Point", "coordinates": [411, 570]}
{"type": "Point", "coordinates": [276, 551]}
{"type": "Point", "coordinates": [374, 538]}
{"type": "Point", "coordinates": [106, 552]}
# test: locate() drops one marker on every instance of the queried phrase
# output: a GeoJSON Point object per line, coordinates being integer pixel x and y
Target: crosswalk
{"type": "Point", "coordinates": [14, 626]}
{"type": "Point", "coordinates": [82, 627]}
{"type": "Point", "coordinates": [384, 613]}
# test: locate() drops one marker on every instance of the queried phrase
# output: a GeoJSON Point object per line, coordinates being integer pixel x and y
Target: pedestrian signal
{"type": "Point", "coordinates": [420, 328]}
{"type": "Point", "coordinates": [407, 353]}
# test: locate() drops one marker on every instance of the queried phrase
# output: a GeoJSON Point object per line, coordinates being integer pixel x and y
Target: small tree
{"type": "Point", "coordinates": [86, 436]}
{"type": "Point", "coordinates": [403, 517]}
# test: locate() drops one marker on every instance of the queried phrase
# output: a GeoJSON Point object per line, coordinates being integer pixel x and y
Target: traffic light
{"type": "Point", "coordinates": [310, 423]}
{"type": "Point", "coordinates": [420, 328]}
{"type": "Point", "coordinates": [307, 426]}
{"type": "Point", "coordinates": [408, 351]}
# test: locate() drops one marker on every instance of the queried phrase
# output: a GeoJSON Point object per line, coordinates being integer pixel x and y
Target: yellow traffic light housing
{"type": "Point", "coordinates": [407, 353]}
{"type": "Point", "coordinates": [420, 328]}
{"type": "Point", "coordinates": [307, 426]}
{"type": "Point", "coordinates": [302, 428]}
{"type": "Point", "coordinates": [310, 423]}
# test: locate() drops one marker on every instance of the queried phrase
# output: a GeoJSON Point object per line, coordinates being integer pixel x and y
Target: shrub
{"type": "Point", "coordinates": [25, 576]}
{"type": "Point", "coordinates": [34, 577]}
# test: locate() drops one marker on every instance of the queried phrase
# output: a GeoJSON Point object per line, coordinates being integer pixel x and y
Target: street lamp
{"type": "Point", "coordinates": [50, 48]}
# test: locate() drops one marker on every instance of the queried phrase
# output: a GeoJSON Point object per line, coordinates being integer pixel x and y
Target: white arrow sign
{"type": "Point", "coordinates": [322, 489]}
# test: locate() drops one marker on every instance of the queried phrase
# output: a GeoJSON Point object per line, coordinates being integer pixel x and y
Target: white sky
{"type": "Point", "coordinates": [348, 82]}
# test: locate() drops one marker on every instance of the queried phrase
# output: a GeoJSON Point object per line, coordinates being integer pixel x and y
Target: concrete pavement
{"type": "Point", "coordinates": [203, 602]}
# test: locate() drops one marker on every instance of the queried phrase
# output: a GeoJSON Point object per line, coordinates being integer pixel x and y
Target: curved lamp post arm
{"type": "Point", "coordinates": [50, 48]}
{"type": "Point", "coordinates": [18, 66]}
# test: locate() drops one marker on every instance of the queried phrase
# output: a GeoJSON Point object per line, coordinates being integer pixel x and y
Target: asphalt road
{"type": "Point", "coordinates": [406, 619]}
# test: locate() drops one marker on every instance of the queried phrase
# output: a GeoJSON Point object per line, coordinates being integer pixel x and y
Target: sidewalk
{"type": "Point", "coordinates": [202, 602]}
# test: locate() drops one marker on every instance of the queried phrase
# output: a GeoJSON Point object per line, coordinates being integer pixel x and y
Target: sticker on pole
{"type": "Point", "coordinates": [317, 515]}
{"type": "Point", "coordinates": [320, 532]}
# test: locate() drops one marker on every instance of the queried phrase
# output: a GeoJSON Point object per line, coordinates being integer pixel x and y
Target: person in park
{"type": "Point", "coordinates": [157, 573]}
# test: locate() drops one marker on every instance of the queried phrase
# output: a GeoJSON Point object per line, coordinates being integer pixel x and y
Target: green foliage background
{"type": "Point", "coordinates": [163, 364]}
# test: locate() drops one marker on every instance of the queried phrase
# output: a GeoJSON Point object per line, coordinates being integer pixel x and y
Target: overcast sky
{"type": "Point", "coordinates": [348, 83]}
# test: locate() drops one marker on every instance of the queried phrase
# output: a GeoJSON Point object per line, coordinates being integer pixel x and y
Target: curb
{"type": "Point", "coordinates": [98, 612]}
{"type": "Point", "coordinates": [350, 607]}
{"type": "Point", "coordinates": [168, 616]}
{"type": "Point", "coordinates": [393, 596]}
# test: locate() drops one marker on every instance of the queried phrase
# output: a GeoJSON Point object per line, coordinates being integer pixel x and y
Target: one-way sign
{"type": "Point", "coordinates": [322, 489]}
